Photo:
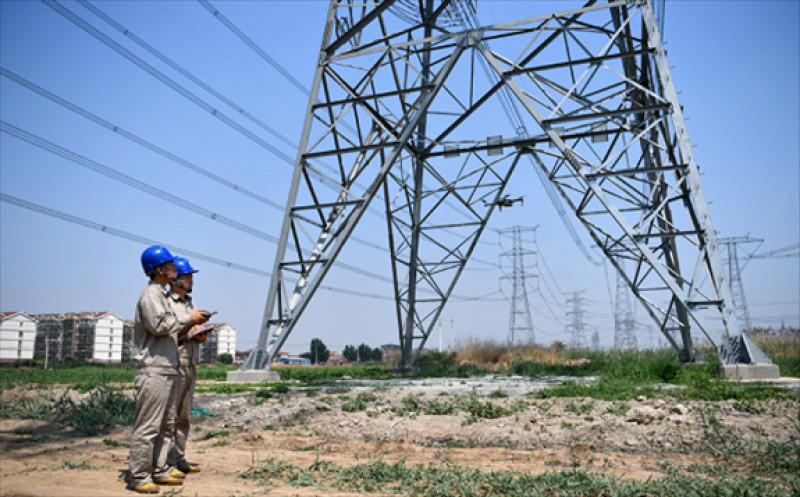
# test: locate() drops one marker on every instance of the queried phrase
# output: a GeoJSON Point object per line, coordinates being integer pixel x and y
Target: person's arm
{"type": "Point", "coordinates": [158, 317]}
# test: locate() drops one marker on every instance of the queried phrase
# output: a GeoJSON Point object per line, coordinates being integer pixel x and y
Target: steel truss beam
{"type": "Point", "coordinates": [404, 104]}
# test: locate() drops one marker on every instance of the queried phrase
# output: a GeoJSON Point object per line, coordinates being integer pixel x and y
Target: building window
{"type": "Point", "coordinates": [20, 334]}
{"type": "Point", "coordinates": [110, 339]}
{"type": "Point", "coordinates": [109, 355]}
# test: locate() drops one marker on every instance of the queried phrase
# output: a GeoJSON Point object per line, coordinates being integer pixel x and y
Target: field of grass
{"type": "Point", "coordinates": [739, 466]}
{"type": "Point", "coordinates": [624, 374]}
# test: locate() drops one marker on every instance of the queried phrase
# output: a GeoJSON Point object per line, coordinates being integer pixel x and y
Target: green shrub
{"type": "Point", "coordinates": [359, 403]}
{"type": "Point", "coordinates": [99, 412]}
{"type": "Point", "coordinates": [281, 388]}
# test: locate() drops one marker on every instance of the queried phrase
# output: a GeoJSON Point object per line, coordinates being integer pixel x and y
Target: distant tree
{"type": "Point", "coordinates": [364, 353]}
{"type": "Point", "coordinates": [367, 353]}
{"type": "Point", "coordinates": [319, 352]}
{"type": "Point", "coordinates": [225, 358]}
{"type": "Point", "coordinates": [350, 353]}
{"type": "Point", "coordinates": [306, 355]}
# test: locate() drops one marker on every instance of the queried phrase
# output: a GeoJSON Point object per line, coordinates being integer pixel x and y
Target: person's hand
{"type": "Point", "coordinates": [195, 329]}
{"type": "Point", "coordinates": [199, 316]}
{"type": "Point", "coordinates": [201, 337]}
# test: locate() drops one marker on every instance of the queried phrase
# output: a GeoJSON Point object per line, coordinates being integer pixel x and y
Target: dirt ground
{"type": "Point", "coordinates": [44, 459]}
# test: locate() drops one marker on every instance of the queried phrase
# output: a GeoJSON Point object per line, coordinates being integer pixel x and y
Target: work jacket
{"type": "Point", "coordinates": [188, 349]}
{"type": "Point", "coordinates": [156, 328]}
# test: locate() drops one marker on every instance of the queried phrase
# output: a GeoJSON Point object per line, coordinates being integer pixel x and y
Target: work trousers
{"type": "Point", "coordinates": [177, 456]}
{"type": "Point", "coordinates": [153, 426]}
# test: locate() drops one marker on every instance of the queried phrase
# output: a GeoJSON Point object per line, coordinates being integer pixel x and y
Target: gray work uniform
{"type": "Point", "coordinates": [155, 353]}
{"type": "Point", "coordinates": [189, 356]}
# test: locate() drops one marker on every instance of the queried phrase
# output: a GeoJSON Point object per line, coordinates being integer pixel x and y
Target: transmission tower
{"type": "Point", "coordinates": [575, 325]}
{"type": "Point", "coordinates": [404, 101]}
{"type": "Point", "coordinates": [730, 249]}
{"type": "Point", "coordinates": [624, 324]}
{"type": "Point", "coordinates": [520, 325]}
{"type": "Point", "coordinates": [595, 341]}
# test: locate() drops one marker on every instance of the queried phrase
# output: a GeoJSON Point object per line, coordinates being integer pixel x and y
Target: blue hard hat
{"type": "Point", "coordinates": [154, 256]}
{"type": "Point", "coordinates": [182, 266]}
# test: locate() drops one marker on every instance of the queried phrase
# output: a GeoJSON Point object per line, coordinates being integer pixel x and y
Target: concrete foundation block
{"type": "Point", "coordinates": [749, 371]}
{"type": "Point", "coordinates": [253, 376]}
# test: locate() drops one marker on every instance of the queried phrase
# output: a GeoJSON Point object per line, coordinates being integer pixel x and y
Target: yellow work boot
{"type": "Point", "coordinates": [146, 488]}
{"type": "Point", "coordinates": [189, 469]}
{"type": "Point", "coordinates": [170, 480]}
{"type": "Point", "coordinates": [176, 473]}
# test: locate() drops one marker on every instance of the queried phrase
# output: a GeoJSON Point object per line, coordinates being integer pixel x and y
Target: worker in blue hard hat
{"type": "Point", "coordinates": [189, 356]}
{"type": "Point", "coordinates": [155, 354]}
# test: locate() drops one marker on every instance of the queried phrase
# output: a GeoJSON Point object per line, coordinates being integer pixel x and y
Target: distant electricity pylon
{"type": "Point", "coordinates": [520, 325]}
{"type": "Point", "coordinates": [575, 325]}
{"type": "Point", "coordinates": [624, 324]}
{"type": "Point", "coordinates": [595, 341]}
{"type": "Point", "coordinates": [730, 253]}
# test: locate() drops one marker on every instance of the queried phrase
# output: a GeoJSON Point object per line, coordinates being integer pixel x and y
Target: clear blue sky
{"type": "Point", "coordinates": [735, 64]}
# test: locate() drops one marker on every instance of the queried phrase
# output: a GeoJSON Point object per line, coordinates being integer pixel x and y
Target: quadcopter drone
{"type": "Point", "coordinates": [504, 202]}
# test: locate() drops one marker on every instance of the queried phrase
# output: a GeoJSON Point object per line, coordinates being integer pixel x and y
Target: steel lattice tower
{"type": "Point", "coordinates": [576, 327]}
{"type": "Point", "coordinates": [520, 325]}
{"type": "Point", "coordinates": [402, 117]}
{"type": "Point", "coordinates": [738, 299]}
{"type": "Point", "coordinates": [624, 324]}
{"type": "Point", "coordinates": [595, 341]}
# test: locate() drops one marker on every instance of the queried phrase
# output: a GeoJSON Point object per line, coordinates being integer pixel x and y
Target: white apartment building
{"type": "Point", "coordinates": [83, 336]}
{"type": "Point", "coordinates": [226, 340]}
{"type": "Point", "coordinates": [87, 336]}
{"type": "Point", "coordinates": [108, 333]}
{"type": "Point", "coordinates": [17, 336]}
{"type": "Point", "coordinates": [220, 341]}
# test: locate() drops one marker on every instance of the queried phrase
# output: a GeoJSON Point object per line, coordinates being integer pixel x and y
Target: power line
{"type": "Point", "coordinates": [123, 178]}
{"type": "Point", "coordinates": [75, 19]}
{"type": "Point", "coordinates": [63, 216]}
{"type": "Point", "coordinates": [286, 74]}
{"type": "Point", "coordinates": [163, 58]}
{"type": "Point", "coordinates": [515, 119]}
{"type": "Point", "coordinates": [139, 185]}
{"type": "Point", "coordinates": [136, 139]}
{"type": "Point", "coordinates": [81, 23]}
{"type": "Point", "coordinates": [548, 308]}
{"type": "Point", "coordinates": [250, 43]}
{"type": "Point", "coordinates": [221, 52]}
{"type": "Point", "coordinates": [788, 251]}
{"type": "Point", "coordinates": [124, 234]}
{"type": "Point", "coordinates": [154, 148]}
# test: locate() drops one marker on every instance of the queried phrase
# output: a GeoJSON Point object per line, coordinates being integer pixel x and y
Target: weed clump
{"type": "Point", "coordinates": [359, 403]}
{"type": "Point", "coordinates": [97, 413]}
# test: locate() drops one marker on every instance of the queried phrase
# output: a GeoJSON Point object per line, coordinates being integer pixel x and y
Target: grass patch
{"type": "Point", "coordinates": [115, 443]}
{"type": "Point", "coordinates": [327, 374]}
{"type": "Point", "coordinates": [226, 388]}
{"type": "Point", "coordinates": [97, 413]}
{"type": "Point", "coordinates": [442, 478]}
{"type": "Point", "coordinates": [213, 434]}
{"type": "Point", "coordinates": [360, 403]}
